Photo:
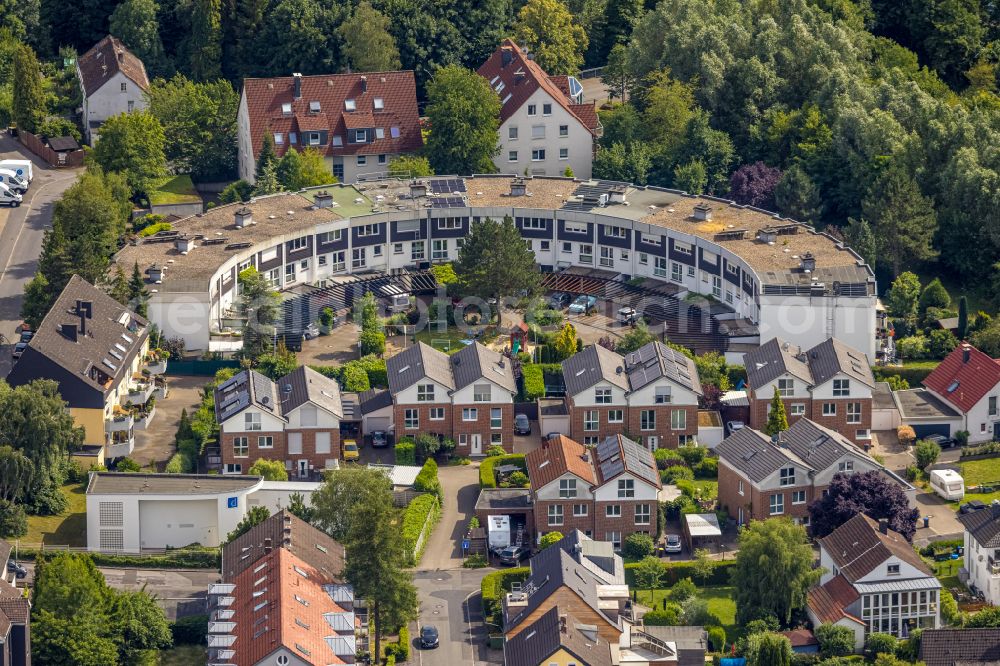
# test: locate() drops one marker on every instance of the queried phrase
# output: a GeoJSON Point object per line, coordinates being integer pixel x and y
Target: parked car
{"type": "Point", "coordinates": [674, 544]}
{"type": "Point", "coordinates": [379, 439]}
{"type": "Point", "coordinates": [512, 555]}
{"type": "Point", "coordinates": [521, 424]}
{"type": "Point", "coordinates": [312, 331]}
{"type": "Point", "coordinates": [429, 637]}
{"type": "Point", "coordinates": [351, 450]}
{"type": "Point", "coordinates": [17, 569]}
{"type": "Point", "coordinates": [27, 335]}
{"type": "Point", "coordinates": [558, 300]}
{"type": "Point", "coordinates": [582, 304]}
{"type": "Point", "coordinates": [19, 349]}
{"type": "Point", "coordinates": [627, 316]}
{"type": "Point", "coordinates": [733, 426]}
{"type": "Point", "coordinates": [940, 440]}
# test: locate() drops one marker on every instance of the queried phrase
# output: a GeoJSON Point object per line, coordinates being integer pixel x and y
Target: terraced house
{"type": "Point", "coordinates": [651, 393]}
{"type": "Point", "coordinates": [467, 397]}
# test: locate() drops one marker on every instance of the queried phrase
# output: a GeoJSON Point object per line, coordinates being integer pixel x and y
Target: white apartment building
{"type": "Point", "coordinates": [112, 81]}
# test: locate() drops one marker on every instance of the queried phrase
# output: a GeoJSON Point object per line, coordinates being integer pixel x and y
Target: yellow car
{"type": "Point", "coordinates": [351, 450]}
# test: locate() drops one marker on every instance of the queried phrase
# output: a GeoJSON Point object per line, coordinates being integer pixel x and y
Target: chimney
{"type": "Point", "coordinates": [585, 457]}
{"type": "Point", "coordinates": [418, 189]}
{"type": "Point", "coordinates": [364, 84]}
{"type": "Point", "coordinates": [184, 244]}
{"type": "Point", "coordinates": [506, 56]}
{"type": "Point", "coordinates": [808, 263]}
{"type": "Point", "coordinates": [883, 525]}
{"type": "Point", "coordinates": [267, 545]}
{"type": "Point", "coordinates": [702, 212]}
{"type": "Point", "coordinates": [243, 217]}
{"type": "Point", "coordinates": [121, 55]}
{"type": "Point", "coordinates": [767, 235]}
{"type": "Point", "coordinates": [297, 77]}
{"type": "Point", "coordinates": [966, 353]}
{"type": "Point", "coordinates": [323, 200]}
{"type": "Point", "coordinates": [156, 274]}
{"type": "Point", "coordinates": [562, 624]}
{"type": "Point", "coordinates": [617, 194]}
{"type": "Point", "coordinates": [84, 309]}
{"type": "Point", "coordinates": [69, 331]}
{"type": "Point", "coordinates": [518, 188]}
{"type": "Point", "coordinates": [995, 508]}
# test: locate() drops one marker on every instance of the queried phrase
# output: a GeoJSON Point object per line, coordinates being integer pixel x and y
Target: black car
{"type": "Point", "coordinates": [429, 637]}
{"type": "Point", "coordinates": [514, 554]}
{"type": "Point", "coordinates": [940, 440]}
{"type": "Point", "coordinates": [17, 569]}
{"type": "Point", "coordinates": [521, 424]}
{"type": "Point", "coordinates": [559, 300]}
{"type": "Point", "coordinates": [379, 439]}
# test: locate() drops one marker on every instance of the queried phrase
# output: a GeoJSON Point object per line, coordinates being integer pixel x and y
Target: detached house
{"type": "Point", "coordinates": [830, 384]}
{"type": "Point", "coordinates": [468, 396]}
{"type": "Point", "coordinates": [606, 492]}
{"type": "Point", "coordinates": [982, 550]}
{"type": "Point", "coordinates": [651, 393]}
{"type": "Point", "coordinates": [357, 121]}
{"type": "Point", "coordinates": [968, 381]}
{"type": "Point", "coordinates": [760, 478]}
{"type": "Point", "coordinates": [874, 582]}
{"type": "Point", "coordinates": [15, 618]}
{"type": "Point", "coordinates": [112, 81]}
{"type": "Point", "coordinates": [545, 126]}
{"type": "Point", "coordinates": [295, 419]}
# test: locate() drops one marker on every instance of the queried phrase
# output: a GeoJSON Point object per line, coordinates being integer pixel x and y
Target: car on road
{"type": "Point", "coordinates": [522, 426]}
{"type": "Point", "coordinates": [733, 426]}
{"type": "Point", "coordinates": [558, 300]}
{"type": "Point", "coordinates": [673, 544]}
{"type": "Point", "coordinates": [429, 637]}
{"type": "Point", "coordinates": [27, 335]}
{"type": "Point", "coordinates": [379, 439]}
{"type": "Point", "coordinates": [311, 332]}
{"type": "Point", "coordinates": [351, 450]}
{"type": "Point", "coordinates": [17, 569]}
{"type": "Point", "coordinates": [512, 555]}
{"type": "Point", "coordinates": [19, 349]}
{"type": "Point", "coordinates": [582, 304]}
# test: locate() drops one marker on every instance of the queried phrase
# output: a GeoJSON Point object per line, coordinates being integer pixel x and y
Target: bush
{"type": "Point", "coordinates": [496, 450]}
{"type": "Point", "coordinates": [913, 348]}
{"type": "Point", "coordinates": [371, 342]}
{"type": "Point", "coordinates": [406, 452]}
{"type": "Point", "coordinates": [949, 609]}
{"type": "Point", "coordinates": [878, 643]}
{"type": "Point", "coordinates": [637, 546]}
{"type": "Point", "coordinates": [912, 473]}
{"type": "Point", "coordinates": [190, 630]}
{"type": "Point", "coordinates": [675, 571]}
{"type": "Point", "coordinates": [667, 617]}
{"type": "Point", "coordinates": [475, 561]}
{"type": "Point", "coordinates": [717, 638]}
{"type": "Point", "coordinates": [399, 650]}
{"type": "Point", "coordinates": [696, 614]}
{"type": "Point", "coordinates": [495, 585]}
{"type": "Point", "coordinates": [354, 378]}
{"type": "Point", "coordinates": [666, 458]}
{"type": "Point", "coordinates": [127, 465]}
{"type": "Point", "coordinates": [427, 479]}
{"type": "Point", "coordinates": [937, 546]}
{"type": "Point", "coordinates": [175, 465]}
{"type": "Point", "coordinates": [487, 468]}
{"type": "Point", "coordinates": [155, 228]}
{"type": "Point", "coordinates": [707, 469]}
{"type": "Point", "coordinates": [962, 438]}
{"type": "Point", "coordinates": [905, 434]}
{"type": "Point", "coordinates": [834, 641]}
{"type": "Point", "coordinates": [683, 590]}
{"type": "Point", "coordinates": [913, 376]}
{"type": "Point", "coordinates": [13, 521]}
{"type": "Point", "coordinates": [691, 455]}
{"type": "Point", "coordinates": [927, 453]}
{"type": "Point", "coordinates": [416, 515]}
{"type": "Point", "coordinates": [534, 382]}
{"type": "Point", "coordinates": [516, 480]}
{"type": "Point", "coordinates": [676, 473]}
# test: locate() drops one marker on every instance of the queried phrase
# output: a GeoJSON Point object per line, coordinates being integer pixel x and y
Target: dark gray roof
{"type": "Point", "coordinates": [922, 404]}
{"type": "Point", "coordinates": [374, 399]}
{"type": "Point", "coordinates": [283, 530]}
{"type": "Point", "coordinates": [113, 336]}
{"type": "Point", "coordinates": [960, 647]}
{"type": "Point", "coordinates": [592, 365]}
{"type": "Point", "coordinates": [504, 498]}
{"type": "Point", "coordinates": [304, 385]}
{"type": "Point", "coordinates": [984, 525]}
{"type": "Point", "coordinates": [618, 454]}
{"type": "Point", "coordinates": [536, 643]}
{"type": "Point", "coordinates": [243, 389]}
{"type": "Point", "coordinates": [815, 366]}
{"type": "Point", "coordinates": [475, 361]}
{"type": "Point", "coordinates": [773, 359]}
{"type": "Point", "coordinates": [752, 453]}
{"type": "Point", "coordinates": [121, 483]}
{"type": "Point", "coordinates": [415, 363]}
{"type": "Point", "coordinates": [63, 143]}
{"type": "Point", "coordinates": [882, 396]}
{"type": "Point", "coordinates": [832, 357]}
{"type": "Point", "coordinates": [691, 642]}
{"type": "Point", "coordinates": [819, 447]}
{"type": "Point", "coordinates": [654, 361]}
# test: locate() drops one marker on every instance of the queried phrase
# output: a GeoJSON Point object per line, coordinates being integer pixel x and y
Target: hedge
{"type": "Point", "coordinates": [406, 452]}
{"type": "Point", "coordinates": [736, 374]}
{"type": "Point", "coordinates": [534, 382]}
{"type": "Point", "coordinates": [675, 571]}
{"type": "Point", "coordinates": [414, 517]}
{"type": "Point", "coordinates": [190, 630]}
{"type": "Point", "coordinates": [487, 475]}
{"type": "Point", "coordinates": [427, 479]}
{"type": "Point", "coordinates": [495, 584]}
{"type": "Point", "coordinates": [399, 650]}
{"type": "Point", "coordinates": [203, 558]}
{"type": "Point", "coordinates": [913, 375]}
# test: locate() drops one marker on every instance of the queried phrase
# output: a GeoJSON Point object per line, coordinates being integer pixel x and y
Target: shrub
{"type": "Point", "coordinates": [666, 458]}
{"type": "Point", "coordinates": [707, 469]}
{"type": "Point", "coordinates": [949, 609]}
{"type": "Point", "coordinates": [692, 455]}
{"type": "Point", "coordinates": [962, 438]}
{"type": "Point", "coordinates": [354, 378]}
{"type": "Point", "coordinates": [677, 472]}
{"type": "Point", "coordinates": [416, 515]}
{"type": "Point", "coordinates": [427, 479]}
{"type": "Point", "coordinates": [371, 342]}
{"type": "Point", "coordinates": [637, 546]}
{"type": "Point", "coordinates": [127, 465]}
{"type": "Point", "coordinates": [549, 539]}
{"type": "Point", "coordinates": [913, 376]}
{"type": "Point", "coordinates": [683, 590]}
{"type": "Point", "coordinates": [878, 643]}
{"type": "Point", "coordinates": [834, 640]}
{"type": "Point", "coordinates": [190, 630]}
{"type": "Point", "coordinates": [696, 613]}
{"type": "Point", "coordinates": [675, 571]}
{"type": "Point", "coordinates": [13, 520]}
{"type": "Point", "coordinates": [494, 585]}
{"type": "Point", "coordinates": [475, 561]}
{"type": "Point", "coordinates": [913, 347]}
{"type": "Point", "coordinates": [399, 650]}
{"type": "Point", "coordinates": [517, 480]}
{"type": "Point", "coordinates": [667, 617]}
{"type": "Point", "coordinates": [406, 452]}
{"type": "Point", "coordinates": [717, 638]}
{"type": "Point", "coordinates": [175, 465]}
{"type": "Point", "coordinates": [534, 382]}
{"type": "Point", "coordinates": [487, 468]}
{"type": "Point", "coordinates": [155, 228]}
{"type": "Point", "coordinates": [912, 473]}
{"type": "Point", "coordinates": [496, 450]}
{"type": "Point", "coordinates": [905, 434]}
{"type": "Point", "coordinates": [926, 452]}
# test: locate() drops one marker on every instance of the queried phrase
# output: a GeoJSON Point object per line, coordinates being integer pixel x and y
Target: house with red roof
{"type": "Point", "coordinates": [359, 122]}
{"type": "Point", "coordinates": [545, 126]}
{"type": "Point", "coordinates": [968, 381]}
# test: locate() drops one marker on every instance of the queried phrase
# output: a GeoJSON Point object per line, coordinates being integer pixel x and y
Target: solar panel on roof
{"type": "Point", "coordinates": [446, 185]}
{"type": "Point", "coordinates": [607, 448]}
{"type": "Point", "coordinates": [447, 202]}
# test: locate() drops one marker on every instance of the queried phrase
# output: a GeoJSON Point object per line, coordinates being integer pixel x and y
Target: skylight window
{"type": "Point", "coordinates": [349, 104]}
{"type": "Point", "coordinates": [314, 107]}
{"type": "Point", "coordinates": [286, 107]}
{"type": "Point", "coordinates": [379, 104]}
{"type": "Point", "coordinates": [953, 386]}
{"type": "Point", "coordinates": [394, 132]}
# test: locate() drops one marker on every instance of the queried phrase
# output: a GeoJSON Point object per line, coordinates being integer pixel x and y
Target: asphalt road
{"type": "Point", "coordinates": [21, 232]}
{"type": "Point", "coordinates": [449, 600]}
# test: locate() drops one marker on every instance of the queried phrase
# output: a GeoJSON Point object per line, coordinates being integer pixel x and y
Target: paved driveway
{"type": "Point", "coordinates": [460, 488]}
{"type": "Point", "coordinates": [450, 601]}
{"type": "Point", "coordinates": [155, 444]}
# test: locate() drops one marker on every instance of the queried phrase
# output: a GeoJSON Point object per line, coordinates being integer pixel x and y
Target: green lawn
{"type": "Point", "coordinates": [709, 488]}
{"type": "Point", "coordinates": [720, 603]}
{"type": "Point", "coordinates": [69, 529]}
{"type": "Point", "coordinates": [976, 472]}
{"type": "Point", "coordinates": [978, 294]}
{"type": "Point", "coordinates": [174, 190]}
{"type": "Point", "coordinates": [453, 336]}
{"type": "Point", "coordinates": [183, 655]}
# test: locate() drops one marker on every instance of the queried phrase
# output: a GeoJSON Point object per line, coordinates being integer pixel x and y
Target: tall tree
{"type": "Point", "coordinates": [139, 626]}
{"type": "Point", "coordinates": [241, 22]}
{"type": "Point", "coordinates": [768, 648]}
{"type": "Point", "coordinates": [869, 493]}
{"type": "Point", "coordinates": [904, 219]}
{"type": "Point", "coordinates": [267, 156]}
{"type": "Point", "coordinates": [903, 295]}
{"type": "Point", "coordinates": [777, 421]}
{"type": "Point", "coordinates": [132, 144]}
{"type": "Point", "coordinates": [259, 303]}
{"type": "Point", "coordinates": [29, 97]}
{"type": "Point", "coordinates": [138, 295]}
{"type": "Point", "coordinates": [298, 36]}
{"type": "Point", "coordinates": [16, 471]}
{"type": "Point", "coordinates": [79, 24]}
{"type": "Point", "coordinates": [288, 170]}
{"type": "Point", "coordinates": [494, 262]}
{"type": "Point", "coordinates": [255, 516]}
{"type": "Point", "coordinates": [620, 17]}
{"type": "Point", "coordinates": [368, 45]}
{"type": "Point", "coordinates": [859, 237]}
{"type": "Point", "coordinates": [464, 115]}
{"type": "Point", "coordinates": [797, 196]}
{"type": "Point", "coordinates": [773, 571]}
{"type": "Point", "coordinates": [135, 22]}
{"type": "Point", "coordinates": [753, 185]}
{"type": "Point", "coordinates": [204, 46]}
{"type": "Point", "coordinates": [547, 30]}
{"type": "Point", "coordinates": [963, 318]}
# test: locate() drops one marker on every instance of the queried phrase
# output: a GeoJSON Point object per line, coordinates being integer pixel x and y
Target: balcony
{"type": "Point", "coordinates": [155, 363]}
{"type": "Point", "coordinates": [121, 422]}
{"type": "Point", "coordinates": [120, 443]}
{"type": "Point", "coordinates": [221, 640]}
{"type": "Point", "coordinates": [139, 393]}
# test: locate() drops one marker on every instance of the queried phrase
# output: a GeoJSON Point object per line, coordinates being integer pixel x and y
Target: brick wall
{"type": "Point", "coordinates": [626, 522]}
{"type": "Point", "coordinates": [668, 438]}
{"type": "Point", "coordinates": [757, 503]}
{"type": "Point", "coordinates": [317, 460]}
{"type": "Point", "coordinates": [814, 411]}
{"type": "Point", "coordinates": [443, 427]}
{"type": "Point", "coordinates": [279, 450]}
{"type": "Point", "coordinates": [583, 523]}
{"type": "Point", "coordinates": [481, 426]}
{"type": "Point", "coordinates": [605, 429]}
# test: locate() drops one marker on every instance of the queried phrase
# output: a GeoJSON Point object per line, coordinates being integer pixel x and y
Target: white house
{"type": "Point", "coordinates": [874, 582]}
{"type": "Point", "coordinates": [968, 380]}
{"type": "Point", "coordinates": [544, 125]}
{"type": "Point", "coordinates": [982, 550]}
{"type": "Point", "coordinates": [112, 81]}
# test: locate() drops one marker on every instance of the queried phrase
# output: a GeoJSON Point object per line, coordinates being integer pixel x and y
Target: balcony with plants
{"type": "Point", "coordinates": [155, 362]}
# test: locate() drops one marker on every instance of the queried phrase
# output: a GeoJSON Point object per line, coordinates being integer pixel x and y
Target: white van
{"type": "Point", "coordinates": [13, 181]}
{"type": "Point", "coordinates": [9, 197]}
{"type": "Point", "coordinates": [21, 167]}
{"type": "Point", "coordinates": [948, 483]}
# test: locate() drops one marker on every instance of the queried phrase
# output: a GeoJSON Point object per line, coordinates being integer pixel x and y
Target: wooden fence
{"type": "Point", "coordinates": [38, 147]}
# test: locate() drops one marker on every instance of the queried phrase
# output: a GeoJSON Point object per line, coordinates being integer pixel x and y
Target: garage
{"type": "Point", "coordinates": [922, 430]}
{"type": "Point", "coordinates": [376, 411]}
{"type": "Point", "coordinates": [926, 413]}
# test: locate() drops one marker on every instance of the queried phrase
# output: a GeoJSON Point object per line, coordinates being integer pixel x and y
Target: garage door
{"type": "Point", "coordinates": [925, 429]}
{"type": "Point", "coordinates": [373, 423]}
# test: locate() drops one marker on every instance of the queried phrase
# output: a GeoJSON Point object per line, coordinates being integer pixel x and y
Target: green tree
{"type": "Point", "coordinates": [414, 166]}
{"type": "Point", "coordinates": [926, 453]}
{"type": "Point", "coordinates": [277, 364]}
{"type": "Point", "coordinates": [298, 36]}
{"type": "Point", "coordinates": [627, 163]}
{"type": "Point", "coordinates": [903, 295]}
{"type": "Point", "coordinates": [798, 196]}
{"type": "Point", "coordinates": [859, 237]}
{"type": "Point", "coordinates": [355, 378]}
{"type": "Point", "coordinates": [934, 295]}
{"type": "Point", "coordinates": [267, 156]}
{"type": "Point", "coordinates": [136, 24]}
{"type": "Point", "coordinates": [494, 262]}
{"type": "Point", "coordinates": [368, 44]}
{"type": "Point", "coordinates": [13, 521]}
{"type": "Point", "coordinates": [773, 570]}
{"type": "Point", "coordinates": [58, 639]}
{"type": "Point", "coordinates": [139, 626]}
{"type": "Point", "coordinates": [271, 470]}
{"type": "Point", "coordinates": [777, 421]}
{"type": "Point", "coordinates": [835, 640]}
{"type": "Point", "coordinates": [288, 170]}
{"type": "Point", "coordinates": [617, 74]}
{"type": "Point", "coordinates": [138, 295]}
{"type": "Point", "coordinates": [547, 29]}
{"type": "Point", "coordinates": [29, 96]}
{"type": "Point", "coordinates": [549, 539]}
{"type": "Point", "coordinates": [637, 337]}
{"type": "Point", "coordinates": [16, 471]}
{"type": "Point", "coordinates": [38, 298]}
{"type": "Point", "coordinates": [768, 649]}
{"type": "Point", "coordinates": [255, 516]}
{"type": "Point", "coordinates": [565, 341]}
{"type": "Point", "coordinates": [259, 303]}
{"type": "Point", "coordinates": [118, 287]}
{"type": "Point", "coordinates": [204, 45]}
{"type": "Point", "coordinates": [464, 116]}
{"type": "Point", "coordinates": [313, 170]}
{"type": "Point", "coordinates": [691, 177]}
{"type": "Point", "coordinates": [962, 332]}
{"type": "Point", "coordinates": [638, 546]}
{"type": "Point", "coordinates": [903, 219]}
{"type": "Point", "coordinates": [133, 144]}
{"type": "Point", "coordinates": [649, 574]}
{"type": "Point", "coordinates": [267, 180]}
{"type": "Point", "coordinates": [711, 147]}
{"type": "Point", "coordinates": [620, 17]}
{"type": "Point", "coordinates": [703, 564]}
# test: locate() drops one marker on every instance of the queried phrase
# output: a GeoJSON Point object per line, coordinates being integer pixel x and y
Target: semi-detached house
{"type": "Point", "coordinates": [467, 397]}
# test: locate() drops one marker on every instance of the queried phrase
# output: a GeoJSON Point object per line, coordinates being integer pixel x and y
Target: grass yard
{"type": "Point", "coordinates": [977, 472]}
{"type": "Point", "coordinates": [720, 603]}
{"type": "Point", "coordinates": [453, 336]}
{"type": "Point", "coordinates": [174, 190]}
{"type": "Point", "coordinates": [709, 488]}
{"type": "Point", "coordinates": [69, 529]}
{"type": "Point", "coordinates": [183, 655]}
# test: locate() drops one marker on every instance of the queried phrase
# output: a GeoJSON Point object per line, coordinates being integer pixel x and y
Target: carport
{"type": "Point", "coordinates": [701, 530]}
{"type": "Point", "coordinates": [926, 413]}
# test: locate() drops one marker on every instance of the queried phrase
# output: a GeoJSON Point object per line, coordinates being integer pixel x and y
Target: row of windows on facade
{"type": "Point", "coordinates": [602, 395]}
{"type": "Point", "coordinates": [480, 393]}
{"type": "Point", "coordinates": [568, 489]}
{"type": "Point", "coordinates": [829, 408]}
{"type": "Point", "coordinates": [537, 155]}
{"type": "Point", "coordinates": [647, 419]}
{"type": "Point", "coordinates": [337, 141]}
{"type": "Point", "coordinates": [555, 513]}
{"type": "Point", "coordinates": [411, 417]}
{"type": "Point", "coordinates": [241, 445]}
{"type": "Point", "coordinates": [841, 389]}
{"type": "Point", "coordinates": [537, 132]}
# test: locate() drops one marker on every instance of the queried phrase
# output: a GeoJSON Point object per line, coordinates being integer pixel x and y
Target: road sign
{"type": "Point", "coordinates": [465, 544]}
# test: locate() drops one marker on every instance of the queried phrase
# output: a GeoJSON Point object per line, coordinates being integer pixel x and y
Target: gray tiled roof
{"type": "Point", "coordinates": [592, 365]}
{"type": "Point", "coordinates": [815, 366]}
{"type": "Point", "coordinates": [857, 547]}
{"type": "Point", "coordinates": [654, 361]}
{"type": "Point", "coordinates": [773, 359]}
{"type": "Point", "coordinates": [306, 385]}
{"type": "Point", "coordinates": [415, 363]}
{"type": "Point", "coordinates": [618, 454]}
{"type": "Point", "coordinates": [818, 446]}
{"type": "Point", "coordinates": [536, 643]}
{"type": "Point", "coordinates": [960, 647]}
{"type": "Point", "coordinates": [832, 357]}
{"type": "Point", "coordinates": [752, 453]}
{"type": "Point", "coordinates": [374, 399]}
{"type": "Point", "coordinates": [243, 389]}
{"type": "Point", "coordinates": [984, 525]}
{"type": "Point", "coordinates": [477, 361]}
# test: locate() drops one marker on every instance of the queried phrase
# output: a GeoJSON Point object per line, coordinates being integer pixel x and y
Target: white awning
{"type": "Point", "coordinates": [907, 585]}
{"type": "Point", "coordinates": [703, 525]}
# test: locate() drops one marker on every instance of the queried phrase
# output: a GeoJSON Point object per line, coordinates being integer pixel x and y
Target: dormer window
{"type": "Point", "coordinates": [349, 105]}
{"type": "Point", "coordinates": [360, 136]}
{"type": "Point", "coordinates": [314, 138]}
{"type": "Point", "coordinates": [379, 104]}
{"type": "Point", "coordinates": [338, 141]}
{"type": "Point", "coordinates": [279, 138]}
{"type": "Point", "coordinates": [893, 570]}
{"type": "Point", "coordinates": [286, 107]}
{"type": "Point", "coordinates": [787, 476]}
{"type": "Point", "coordinates": [314, 107]}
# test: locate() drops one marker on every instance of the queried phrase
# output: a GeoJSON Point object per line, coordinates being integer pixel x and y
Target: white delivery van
{"type": "Point", "coordinates": [948, 483]}
{"type": "Point", "coordinates": [21, 167]}
{"type": "Point", "coordinates": [13, 181]}
{"type": "Point", "coordinates": [9, 197]}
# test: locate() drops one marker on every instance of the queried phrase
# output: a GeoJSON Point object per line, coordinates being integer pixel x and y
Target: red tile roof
{"type": "Point", "coordinates": [968, 380]}
{"type": "Point", "coordinates": [556, 457]}
{"type": "Point", "coordinates": [521, 78]}
{"type": "Point", "coordinates": [801, 637]}
{"type": "Point", "coordinates": [828, 602]}
{"type": "Point", "coordinates": [105, 59]}
{"type": "Point", "coordinates": [397, 90]}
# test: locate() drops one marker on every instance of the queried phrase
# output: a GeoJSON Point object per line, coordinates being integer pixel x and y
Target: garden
{"type": "Point", "coordinates": [984, 477]}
